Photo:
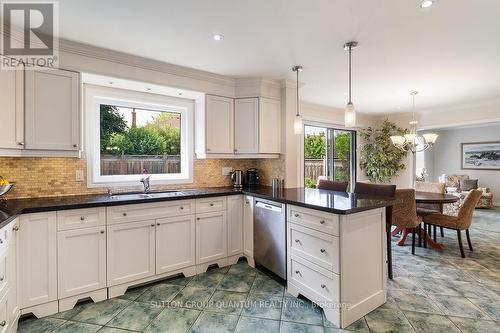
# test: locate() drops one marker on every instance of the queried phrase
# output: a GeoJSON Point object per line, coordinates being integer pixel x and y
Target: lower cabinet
{"type": "Point", "coordinates": [211, 237]}
{"type": "Point", "coordinates": [81, 264]}
{"type": "Point", "coordinates": [37, 259]}
{"type": "Point", "coordinates": [130, 251]}
{"type": "Point", "coordinates": [248, 226]}
{"type": "Point", "coordinates": [5, 324]}
{"type": "Point", "coordinates": [12, 269]}
{"type": "Point", "coordinates": [175, 243]}
{"type": "Point", "coordinates": [234, 225]}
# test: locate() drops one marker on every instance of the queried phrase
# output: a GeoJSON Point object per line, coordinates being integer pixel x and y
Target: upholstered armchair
{"type": "Point", "coordinates": [460, 222]}
{"type": "Point", "coordinates": [453, 186]}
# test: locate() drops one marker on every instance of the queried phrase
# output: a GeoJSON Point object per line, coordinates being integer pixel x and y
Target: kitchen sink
{"type": "Point", "coordinates": [138, 195]}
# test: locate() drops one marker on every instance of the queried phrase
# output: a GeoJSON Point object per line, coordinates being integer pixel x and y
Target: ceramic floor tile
{"type": "Point", "coordinates": [102, 312]}
{"type": "Point", "coordinates": [263, 306]}
{"type": "Point", "coordinates": [405, 283]}
{"type": "Point", "coordinates": [113, 330]}
{"type": "Point", "coordinates": [252, 325]}
{"type": "Point", "coordinates": [467, 325]}
{"type": "Point", "coordinates": [264, 284]}
{"type": "Point", "coordinates": [207, 280]}
{"type": "Point", "coordinates": [242, 268]}
{"type": "Point", "coordinates": [430, 323]}
{"type": "Point", "coordinates": [42, 325]}
{"type": "Point", "coordinates": [227, 302]}
{"type": "Point", "coordinates": [160, 294]}
{"type": "Point", "coordinates": [173, 320]}
{"type": "Point", "coordinates": [411, 301]}
{"type": "Point", "coordinates": [291, 327]}
{"type": "Point", "coordinates": [69, 314]}
{"type": "Point", "coordinates": [76, 327]}
{"type": "Point", "coordinates": [301, 311]}
{"type": "Point", "coordinates": [475, 290]}
{"type": "Point", "coordinates": [437, 287]}
{"type": "Point", "coordinates": [191, 297]}
{"type": "Point", "coordinates": [136, 317]}
{"type": "Point", "coordinates": [486, 277]}
{"type": "Point", "coordinates": [458, 306]}
{"type": "Point", "coordinates": [132, 293]}
{"type": "Point", "coordinates": [359, 325]}
{"type": "Point", "coordinates": [387, 320]}
{"type": "Point", "coordinates": [211, 322]}
{"type": "Point", "coordinates": [240, 282]}
{"type": "Point", "coordinates": [491, 308]}
{"type": "Point", "coordinates": [178, 280]}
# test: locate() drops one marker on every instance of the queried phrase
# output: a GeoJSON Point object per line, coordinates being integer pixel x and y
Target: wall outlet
{"type": "Point", "coordinates": [226, 171]}
{"type": "Point", "coordinates": [79, 176]}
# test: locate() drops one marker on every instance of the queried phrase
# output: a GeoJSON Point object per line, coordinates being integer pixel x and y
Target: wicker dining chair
{"type": "Point", "coordinates": [426, 209]}
{"type": "Point", "coordinates": [325, 184]}
{"type": "Point", "coordinates": [460, 222]}
{"type": "Point", "coordinates": [404, 214]}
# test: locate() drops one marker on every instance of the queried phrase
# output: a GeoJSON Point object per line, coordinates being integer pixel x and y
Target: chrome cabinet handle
{"type": "Point", "coordinates": [124, 214]}
{"type": "Point", "coordinates": [298, 273]}
{"type": "Point", "coordinates": [1, 241]}
{"type": "Point", "coordinates": [323, 250]}
{"type": "Point", "coordinates": [102, 231]}
{"type": "Point", "coordinates": [16, 228]}
{"type": "Point", "coordinates": [247, 202]}
{"type": "Point", "coordinates": [211, 205]}
{"type": "Point", "coordinates": [152, 224]}
{"type": "Point", "coordinates": [20, 143]}
{"type": "Point", "coordinates": [2, 278]}
{"type": "Point", "coordinates": [297, 215]}
{"type": "Point", "coordinates": [323, 286]}
{"type": "Point", "coordinates": [298, 241]}
{"type": "Point", "coordinates": [322, 222]}
{"type": "Point", "coordinates": [3, 323]}
{"type": "Point", "coordinates": [74, 146]}
{"type": "Point", "coordinates": [82, 218]}
{"type": "Point", "coordinates": [181, 207]}
{"type": "Point", "coordinates": [208, 149]}
{"type": "Point", "coordinates": [158, 224]}
{"type": "Point", "coordinates": [198, 218]}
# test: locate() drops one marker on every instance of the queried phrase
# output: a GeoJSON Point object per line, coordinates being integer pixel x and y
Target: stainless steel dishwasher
{"type": "Point", "coordinates": [270, 236]}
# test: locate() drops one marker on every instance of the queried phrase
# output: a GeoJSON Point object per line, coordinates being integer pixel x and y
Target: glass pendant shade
{"type": "Point", "coordinates": [350, 115]}
{"type": "Point", "coordinates": [398, 140]}
{"type": "Point", "coordinates": [430, 138]}
{"type": "Point", "coordinates": [298, 124]}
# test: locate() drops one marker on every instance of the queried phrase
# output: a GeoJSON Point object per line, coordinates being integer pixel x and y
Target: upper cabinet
{"type": "Point", "coordinates": [219, 125]}
{"type": "Point", "coordinates": [52, 104]}
{"type": "Point", "coordinates": [41, 112]}
{"type": "Point", "coordinates": [240, 128]}
{"type": "Point", "coordinates": [12, 108]}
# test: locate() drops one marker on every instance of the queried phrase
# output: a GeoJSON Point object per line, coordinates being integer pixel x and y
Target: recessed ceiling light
{"type": "Point", "coordinates": [426, 3]}
{"type": "Point", "coordinates": [218, 37]}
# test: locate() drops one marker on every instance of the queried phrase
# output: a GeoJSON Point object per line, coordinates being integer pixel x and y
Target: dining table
{"type": "Point", "coordinates": [426, 198]}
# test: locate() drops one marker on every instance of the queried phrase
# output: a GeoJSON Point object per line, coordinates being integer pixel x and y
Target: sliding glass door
{"type": "Point", "coordinates": [329, 153]}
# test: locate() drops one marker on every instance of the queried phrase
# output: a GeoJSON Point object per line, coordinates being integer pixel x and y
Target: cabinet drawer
{"type": "Point", "coordinates": [317, 247]}
{"type": "Point", "coordinates": [207, 205]}
{"type": "Point", "coordinates": [81, 218]}
{"type": "Point", "coordinates": [315, 219]}
{"type": "Point", "coordinates": [3, 274]}
{"type": "Point", "coordinates": [316, 280]}
{"type": "Point", "coordinates": [148, 211]}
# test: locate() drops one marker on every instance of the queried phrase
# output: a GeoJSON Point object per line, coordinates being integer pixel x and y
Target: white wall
{"type": "Point", "coordinates": [445, 157]}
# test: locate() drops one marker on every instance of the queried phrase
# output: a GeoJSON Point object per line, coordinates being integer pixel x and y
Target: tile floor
{"type": "Point", "coordinates": [431, 292]}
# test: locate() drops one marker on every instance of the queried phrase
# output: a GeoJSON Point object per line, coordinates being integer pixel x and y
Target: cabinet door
{"type": "Point", "coordinates": [12, 108]}
{"type": "Point", "coordinates": [37, 259]}
{"type": "Point", "coordinates": [175, 243]}
{"type": "Point", "coordinates": [269, 126]}
{"type": "Point", "coordinates": [211, 237]}
{"type": "Point", "coordinates": [246, 126]}
{"type": "Point", "coordinates": [248, 225]}
{"type": "Point", "coordinates": [234, 225]}
{"type": "Point", "coordinates": [219, 125]}
{"type": "Point", "coordinates": [12, 276]}
{"type": "Point", "coordinates": [52, 110]}
{"type": "Point", "coordinates": [81, 264]}
{"type": "Point", "coordinates": [130, 251]}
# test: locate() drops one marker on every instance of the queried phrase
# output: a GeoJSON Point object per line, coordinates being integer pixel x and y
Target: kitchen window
{"type": "Point", "coordinates": [132, 134]}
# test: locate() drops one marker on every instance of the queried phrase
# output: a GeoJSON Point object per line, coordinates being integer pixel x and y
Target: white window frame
{"type": "Point", "coordinates": [95, 96]}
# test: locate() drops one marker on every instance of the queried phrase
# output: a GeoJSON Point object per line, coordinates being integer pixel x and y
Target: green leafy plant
{"type": "Point", "coordinates": [315, 146]}
{"type": "Point", "coordinates": [380, 159]}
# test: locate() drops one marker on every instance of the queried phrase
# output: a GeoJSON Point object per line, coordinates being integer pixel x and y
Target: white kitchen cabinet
{"type": "Point", "coordinates": [211, 237]}
{"type": "Point", "coordinates": [248, 227]}
{"type": "Point", "coordinates": [175, 243]}
{"type": "Point", "coordinates": [12, 108]}
{"type": "Point", "coordinates": [52, 117]}
{"type": "Point", "coordinates": [81, 261]}
{"type": "Point", "coordinates": [269, 126]}
{"type": "Point", "coordinates": [12, 269]}
{"type": "Point", "coordinates": [234, 225]}
{"type": "Point", "coordinates": [219, 125]}
{"type": "Point", "coordinates": [37, 259]}
{"type": "Point", "coordinates": [130, 251]}
{"type": "Point", "coordinates": [246, 126]}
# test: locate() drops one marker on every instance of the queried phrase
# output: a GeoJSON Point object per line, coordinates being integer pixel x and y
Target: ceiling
{"type": "Point", "coordinates": [449, 52]}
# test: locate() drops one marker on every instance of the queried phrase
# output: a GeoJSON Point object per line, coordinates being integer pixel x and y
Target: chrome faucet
{"type": "Point", "coordinates": [147, 185]}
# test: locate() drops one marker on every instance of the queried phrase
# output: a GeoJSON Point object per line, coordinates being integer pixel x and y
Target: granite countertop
{"type": "Point", "coordinates": [329, 201]}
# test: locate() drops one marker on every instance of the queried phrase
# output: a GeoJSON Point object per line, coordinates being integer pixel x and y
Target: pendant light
{"type": "Point", "coordinates": [350, 112]}
{"type": "Point", "coordinates": [297, 123]}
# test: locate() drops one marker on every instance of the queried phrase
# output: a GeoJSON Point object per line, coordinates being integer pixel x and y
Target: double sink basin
{"type": "Point", "coordinates": [140, 195]}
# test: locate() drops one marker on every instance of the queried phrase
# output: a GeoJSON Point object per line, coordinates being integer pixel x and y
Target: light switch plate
{"type": "Point", "coordinates": [79, 176]}
{"type": "Point", "coordinates": [226, 171]}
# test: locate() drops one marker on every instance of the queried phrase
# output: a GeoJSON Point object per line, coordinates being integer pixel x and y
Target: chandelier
{"type": "Point", "coordinates": [414, 142]}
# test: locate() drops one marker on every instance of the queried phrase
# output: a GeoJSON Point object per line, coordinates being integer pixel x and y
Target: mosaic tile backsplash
{"type": "Point", "coordinates": [54, 176]}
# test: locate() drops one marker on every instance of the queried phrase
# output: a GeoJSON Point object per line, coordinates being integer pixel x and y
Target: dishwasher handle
{"type": "Point", "coordinates": [267, 206]}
